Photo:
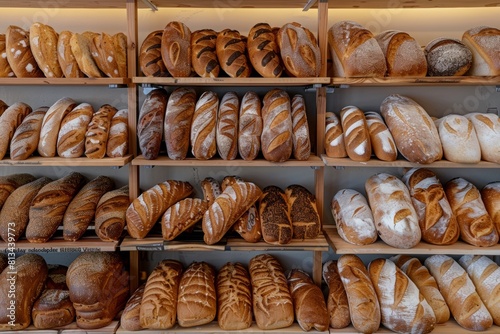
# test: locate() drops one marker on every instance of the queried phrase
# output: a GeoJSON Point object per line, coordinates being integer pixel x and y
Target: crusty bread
{"type": "Point", "coordinates": [459, 139]}
{"type": "Point", "coordinates": [96, 137]}
{"type": "Point", "coordinates": [203, 127]}
{"type": "Point", "coordinates": [181, 216]}
{"type": "Point", "coordinates": [447, 57]}
{"type": "Point", "coordinates": [81, 48]}
{"type": "Point", "coordinates": [263, 51]}
{"type": "Point", "coordinates": [300, 129]}
{"type": "Point", "coordinates": [211, 189]}
{"type": "Point", "coordinates": [484, 43]}
{"type": "Point", "coordinates": [24, 142]}
{"type": "Point", "coordinates": [274, 212]}
{"type": "Point", "coordinates": [150, 60]}
{"type": "Point", "coordinates": [383, 144]}
{"type": "Point", "coordinates": [487, 128]}
{"type": "Point", "coordinates": [110, 214]}
{"type": "Point", "coordinates": [130, 318]}
{"type": "Point", "coordinates": [19, 53]}
{"type": "Point", "coordinates": [336, 300]}
{"type": "Point", "coordinates": [53, 309]}
{"type": "Point", "coordinates": [43, 44]}
{"type": "Point", "coordinates": [117, 145]}
{"type": "Point", "coordinates": [249, 126]}
{"type": "Point", "coordinates": [304, 216]}
{"type": "Point", "coordinates": [10, 120]}
{"type": "Point", "coordinates": [67, 60]}
{"type": "Point", "coordinates": [356, 135]}
{"type": "Point", "coordinates": [249, 226]}
{"type": "Point", "coordinates": [71, 137]}
{"type": "Point", "coordinates": [176, 49]}
{"type": "Point", "coordinates": [334, 137]}
{"type": "Point", "coordinates": [5, 69]}
{"type": "Point", "coordinates": [232, 54]}
{"type": "Point", "coordinates": [150, 123]}
{"type": "Point", "coordinates": [203, 53]}
{"type": "Point", "coordinates": [9, 183]}
{"type": "Point", "coordinates": [109, 52]}
{"type": "Point", "coordinates": [226, 133]}
{"type": "Point", "coordinates": [490, 194]}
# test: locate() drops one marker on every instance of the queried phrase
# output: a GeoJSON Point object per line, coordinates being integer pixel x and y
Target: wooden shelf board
{"type": "Point", "coordinates": [411, 4]}
{"type": "Point", "coordinates": [64, 81]}
{"type": "Point", "coordinates": [158, 244]}
{"type": "Point", "coordinates": [313, 161]}
{"type": "Point", "coordinates": [346, 162]}
{"type": "Point", "coordinates": [78, 162]}
{"type": "Point", "coordinates": [319, 244]}
{"type": "Point", "coordinates": [450, 327]}
{"type": "Point", "coordinates": [414, 81]}
{"type": "Point", "coordinates": [31, 330]}
{"type": "Point", "coordinates": [379, 247]}
{"type": "Point", "coordinates": [74, 329]}
{"type": "Point", "coordinates": [224, 81]}
{"type": "Point", "coordinates": [58, 245]}
{"type": "Point", "coordinates": [232, 4]}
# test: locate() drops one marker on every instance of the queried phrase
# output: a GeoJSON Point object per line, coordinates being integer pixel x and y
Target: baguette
{"type": "Point", "coordinates": [356, 135]}
{"type": "Point", "coordinates": [336, 302]}
{"type": "Point", "coordinates": [71, 137]}
{"type": "Point", "coordinates": [181, 216]}
{"type": "Point", "coordinates": [249, 126]}
{"type": "Point", "coordinates": [117, 145]}
{"type": "Point", "coordinates": [263, 51]}
{"type": "Point", "coordinates": [176, 49]}
{"type": "Point", "coordinates": [150, 60]}
{"type": "Point", "coordinates": [43, 44]}
{"type": "Point", "coordinates": [334, 137]}
{"type": "Point", "coordinates": [203, 127]}
{"type": "Point", "coordinates": [274, 212]}
{"type": "Point", "coordinates": [96, 137]}
{"type": "Point", "coordinates": [24, 142]}
{"type": "Point", "coordinates": [150, 123]}
{"type": "Point", "coordinates": [10, 120]}
{"type": "Point", "coordinates": [227, 126]}
{"type": "Point", "coordinates": [204, 54]}
{"type": "Point", "coordinates": [110, 214]}
{"type": "Point", "coordinates": [383, 144]}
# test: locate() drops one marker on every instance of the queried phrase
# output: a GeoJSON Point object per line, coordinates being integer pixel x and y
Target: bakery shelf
{"type": "Point", "coordinates": [59, 245]}
{"type": "Point", "coordinates": [319, 244]}
{"type": "Point", "coordinates": [74, 329]}
{"type": "Point", "coordinates": [112, 82]}
{"type": "Point", "coordinates": [232, 82]}
{"type": "Point", "coordinates": [156, 243]}
{"type": "Point", "coordinates": [420, 81]}
{"type": "Point", "coordinates": [340, 246]}
{"type": "Point", "coordinates": [73, 162]}
{"type": "Point", "coordinates": [234, 4]}
{"type": "Point", "coordinates": [31, 330]}
{"type": "Point", "coordinates": [346, 162]}
{"type": "Point", "coordinates": [313, 161]}
{"type": "Point", "coordinates": [450, 327]}
{"type": "Point", "coordinates": [411, 4]}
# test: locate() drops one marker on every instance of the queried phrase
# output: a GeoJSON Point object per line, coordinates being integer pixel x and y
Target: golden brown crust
{"type": "Point", "coordinates": [150, 60]}
{"type": "Point", "coordinates": [263, 51]}
{"type": "Point", "coordinates": [231, 52]}
{"type": "Point", "coordinates": [203, 53]}
{"type": "Point", "coordinates": [176, 49]}
{"type": "Point", "coordinates": [336, 302]}
{"type": "Point", "coordinates": [275, 218]}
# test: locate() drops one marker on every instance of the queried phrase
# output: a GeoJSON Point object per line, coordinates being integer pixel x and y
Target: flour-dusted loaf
{"type": "Point", "coordinates": [9, 183]}
{"type": "Point", "coordinates": [353, 217]}
{"type": "Point", "coordinates": [24, 142]}
{"type": "Point", "coordinates": [150, 60]}
{"type": "Point", "coordinates": [158, 308]}
{"type": "Point", "coordinates": [393, 212]}
{"type": "Point", "coordinates": [447, 57]}
{"type": "Point", "coordinates": [204, 125]}
{"type": "Point", "coordinates": [414, 132]}
{"type": "Point", "coordinates": [65, 57]}
{"type": "Point", "coordinates": [145, 210]}
{"type": "Point", "coordinates": [271, 298]}
{"type": "Point", "coordinates": [130, 317]}
{"type": "Point", "coordinates": [336, 300]}
{"type": "Point", "coordinates": [300, 129]}
{"type": "Point", "coordinates": [490, 194]}
{"type": "Point", "coordinates": [231, 52]}
{"type": "Point", "coordinates": [10, 120]}
{"type": "Point", "coordinates": [110, 214]}
{"type": "Point", "coordinates": [5, 69]}
{"type": "Point", "coordinates": [476, 225]}
{"type": "Point", "coordinates": [81, 48]}
{"type": "Point", "coordinates": [19, 55]}
{"type": "Point", "coordinates": [249, 126]}
{"type": "Point", "coordinates": [117, 145]}
{"type": "Point", "coordinates": [334, 137]}
{"type": "Point", "coordinates": [459, 139]}
{"type": "Point", "coordinates": [96, 137]}
{"type": "Point", "coordinates": [263, 51]}
{"type": "Point", "coordinates": [53, 309]}
{"type": "Point", "coordinates": [176, 49]}
{"type": "Point", "coordinates": [226, 133]}
{"type": "Point", "coordinates": [109, 53]}
{"type": "Point", "coordinates": [197, 300]}
{"type": "Point", "coordinates": [203, 53]}
{"type": "Point", "coordinates": [487, 128]}
{"type": "Point", "coordinates": [459, 292]}
{"type": "Point", "coordinates": [381, 139]}
{"type": "Point", "coordinates": [43, 44]}
{"type": "Point", "coordinates": [181, 216]}
{"type": "Point", "coordinates": [356, 135]}
{"type": "Point", "coordinates": [150, 123]}
{"type": "Point", "coordinates": [178, 118]}
{"type": "Point", "coordinates": [304, 216]}
{"type": "Point", "coordinates": [71, 137]}
{"type": "Point", "coordinates": [437, 221]}
{"type": "Point", "coordinates": [274, 211]}
{"type": "Point", "coordinates": [484, 43]}
{"type": "Point", "coordinates": [402, 307]}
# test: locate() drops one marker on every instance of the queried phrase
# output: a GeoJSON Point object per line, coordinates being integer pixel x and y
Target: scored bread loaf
{"type": "Point", "coordinates": [5, 69]}
{"type": "Point", "coordinates": [363, 302]}
{"type": "Point", "coordinates": [96, 137]}
{"type": "Point", "coordinates": [181, 216]}
{"type": "Point", "coordinates": [336, 301]}
{"type": "Point", "coordinates": [176, 49]}
{"type": "Point", "coordinates": [65, 57]}
{"type": "Point", "coordinates": [10, 120]}
{"type": "Point", "coordinates": [130, 318]}
{"type": "Point", "coordinates": [334, 137]}
{"type": "Point", "coordinates": [437, 222]}
{"type": "Point", "coordinates": [150, 123]}
{"type": "Point", "coordinates": [274, 212]}
{"type": "Point", "coordinates": [304, 216]}
{"type": "Point", "coordinates": [353, 217]}
{"type": "Point", "coordinates": [158, 308]}
{"type": "Point", "coordinates": [24, 142]}
{"type": "Point", "coordinates": [230, 180]}
{"type": "Point", "coordinates": [110, 214]}
{"type": "Point", "coordinates": [383, 144]}
{"type": "Point", "coordinates": [263, 51]}
{"type": "Point", "coordinates": [356, 135]}
{"type": "Point", "coordinates": [203, 53]}
{"type": "Point", "coordinates": [249, 126]}
{"type": "Point", "coordinates": [145, 210]}
{"type": "Point", "coordinates": [490, 194]}
{"type": "Point", "coordinates": [234, 297]}
{"type": "Point", "coordinates": [484, 43]}
{"type": "Point", "coordinates": [53, 309]}
{"type": "Point", "coordinates": [49, 205]}
{"type": "Point", "coordinates": [487, 128]}
{"type": "Point", "coordinates": [43, 44]}
{"type": "Point", "coordinates": [203, 127]}
{"type": "Point", "coordinates": [300, 129]}
{"type": "Point", "coordinates": [178, 119]}
{"type": "Point", "coordinates": [231, 51]}
{"type": "Point", "coordinates": [459, 139]}
{"type": "Point", "coordinates": [110, 53]}
{"type": "Point", "coordinates": [197, 300]}
{"type": "Point", "coordinates": [403, 308]}
{"type": "Point", "coordinates": [249, 225]}
{"type": "Point", "coordinates": [117, 145]}
{"type": "Point", "coordinates": [19, 55]}
{"type": "Point", "coordinates": [150, 60]}
{"type": "Point", "coordinates": [81, 48]}
{"type": "Point", "coordinates": [211, 189]}
{"type": "Point", "coordinates": [9, 183]}
{"type": "Point", "coordinates": [71, 137]}
{"type": "Point", "coordinates": [447, 57]}
{"type": "Point", "coordinates": [226, 133]}
{"type": "Point", "coordinates": [459, 292]}
{"type": "Point", "coordinates": [271, 299]}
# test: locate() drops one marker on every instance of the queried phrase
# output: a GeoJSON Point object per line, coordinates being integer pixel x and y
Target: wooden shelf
{"type": "Point", "coordinates": [156, 243]}
{"type": "Point", "coordinates": [231, 82]}
{"type": "Point", "coordinates": [319, 244]}
{"type": "Point", "coordinates": [64, 81]}
{"type": "Point", "coordinates": [233, 4]}
{"type": "Point", "coordinates": [411, 4]}
{"type": "Point", "coordinates": [31, 330]}
{"type": "Point", "coordinates": [413, 81]}
{"type": "Point", "coordinates": [73, 162]}
{"type": "Point", "coordinates": [450, 327]}
{"type": "Point", "coordinates": [313, 161]}
{"type": "Point", "coordinates": [340, 246]}
{"type": "Point", "coordinates": [74, 329]}
{"type": "Point", "coordinates": [59, 245]}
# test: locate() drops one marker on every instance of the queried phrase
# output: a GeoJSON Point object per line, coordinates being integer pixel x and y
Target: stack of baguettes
{"type": "Point", "coordinates": [277, 125]}
{"type": "Point", "coordinates": [176, 51]}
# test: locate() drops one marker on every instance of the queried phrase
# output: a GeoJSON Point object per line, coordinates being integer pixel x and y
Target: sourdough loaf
{"type": "Point", "coordinates": [484, 43]}
{"type": "Point", "coordinates": [263, 51]}
{"type": "Point", "coordinates": [211, 189]}
{"type": "Point", "coordinates": [336, 300]}
{"type": "Point", "coordinates": [204, 54]}
{"type": "Point", "coordinates": [65, 57]}
{"type": "Point", "coordinates": [381, 139]}
{"type": "Point", "coordinates": [10, 120]}
{"type": "Point", "coordinates": [249, 225]}
{"type": "Point", "coordinates": [110, 214]}
{"type": "Point", "coordinates": [459, 139]}
{"type": "Point", "coordinates": [117, 145]}
{"type": "Point", "coordinates": [487, 128]}
{"type": "Point", "coordinates": [81, 48]}
{"type": "Point", "coordinates": [150, 123]}
{"type": "Point", "coordinates": [356, 135]}
{"type": "Point", "coordinates": [181, 216]}
{"type": "Point", "coordinates": [334, 137]}
{"type": "Point", "coordinates": [24, 142]}
{"type": "Point", "coordinates": [447, 57]}
{"type": "Point", "coordinates": [96, 137]}
{"type": "Point", "coordinates": [204, 125]}
{"type": "Point", "coordinates": [130, 318]}
{"type": "Point", "coordinates": [226, 133]}
{"type": "Point", "coordinates": [275, 218]}
{"type": "Point", "coordinates": [490, 194]}
{"type": "Point", "coordinates": [5, 69]}
{"type": "Point", "coordinates": [176, 49]}
{"type": "Point", "coordinates": [43, 44]}
{"type": "Point", "coordinates": [9, 183]}
{"type": "Point", "coordinates": [232, 54]}
{"type": "Point", "coordinates": [150, 60]}
{"type": "Point", "coordinates": [19, 55]}
{"type": "Point", "coordinates": [71, 137]}
{"type": "Point", "coordinates": [53, 309]}
{"type": "Point", "coordinates": [300, 129]}
{"type": "Point", "coordinates": [249, 126]}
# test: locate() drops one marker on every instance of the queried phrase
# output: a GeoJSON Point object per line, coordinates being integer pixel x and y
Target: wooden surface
{"type": "Point", "coordinates": [318, 244]}
{"type": "Point", "coordinates": [64, 81]}
{"type": "Point", "coordinates": [32, 330]}
{"type": "Point", "coordinates": [58, 161]}
{"type": "Point", "coordinates": [226, 81]}
{"type": "Point", "coordinates": [157, 243]}
{"type": "Point", "coordinates": [450, 327]}
{"type": "Point", "coordinates": [421, 81]}
{"type": "Point", "coordinates": [58, 245]}
{"type": "Point", "coordinates": [74, 329]}
{"type": "Point", "coordinates": [313, 161]}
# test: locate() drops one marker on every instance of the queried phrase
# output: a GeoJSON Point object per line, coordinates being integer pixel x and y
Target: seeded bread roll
{"type": "Point", "coordinates": [5, 69]}
{"type": "Point", "coordinates": [81, 48]}
{"type": "Point", "coordinates": [150, 60]}
{"type": "Point", "coordinates": [203, 127]}
{"type": "Point", "coordinates": [24, 142]}
{"type": "Point", "coordinates": [484, 43]}
{"type": "Point", "coordinates": [334, 137]}
{"type": "Point", "coordinates": [263, 51]}
{"type": "Point", "coordinates": [19, 53]}
{"type": "Point", "coordinates": [71, 137]}
{"type": "Point", "coordinates": [53, 309]}
{"type": "Point", "coordinates": [250, 126]}
{"type": "Point", "coordinates": [176, 49]}
{"type": "Point", "coordinates": [336, 302]}
{"type": "Point", "coordinates": [10, 120]}
{"type": "Point", "coordinates": [67, 60]}
{"type": "Point", "coordinates": [383, 144]}
{"type": "Point", "coordinates": [304, 215]}
{"type": "Point", "coordinates": [204, 54]}
{"type": "Point", "coordinates": [43, 44]}
{"type": "Point", "coordinates": [231, 51]}
{"type": "Point", "coordinates": [447, 57]}
{"type": "Point", "coordinates": [130, 318]}
{"type": "Point", "coordinates": [150, 123]}
{"type": "Point", "coordinates": [181, 216]}
{"type": "Point", "coordinates": [227, 126]}
{"type": "Point", "coordinates": [110, 214]}
{"type": "Point", "coordinates": [356, 134]}
{"type": "Point", "coordinates": [9, 183]}
{"type": "Point", "coordinates": [274, 212]}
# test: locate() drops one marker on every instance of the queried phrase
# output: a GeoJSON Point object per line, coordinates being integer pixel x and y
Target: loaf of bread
{"type": "Point", "coordinates": [353, 217]}
{"type": "Point", "coordinates": [150, 123]}
{"type": "Point", "coordinates": [395, 218]}
{"type": "Point", "coordinates": [355, 51]}
{"type": "Point", "coordinates": [490, 194]}
{"type": "Point", "coordinates": [146, 209]}
{"type": "Point", "coordinates": [3, 107]}
{"type": "Point", "coordinates": [158, 308]}
{"type": "Point", "coordinates": [19, 55]}
{"type": "Point", "coordinates": [334, 137]}
{"type": "Point", "coordinates": [229, 180]}
{"type": "Point", "coordinates": [304, 216]}
{"type": "Point", "coordinates": [276, 140]}
{"type": "Point", "coordinates": [178, 119]}
{"type": "Point", "coordinates": [203, 53]}
{"type": "Point", "coordinates": [96, 137]}
{"type": "Point", "coordinates": [437, 222]}
{"type": "Point", "coordinates": [300, 129]}
{"type": "Point", "coordinates": [406, 119]}
{"type": "Point", "coordinates": [71, 137]}
{"type": "Point", "coordinates": [65, 57]}
{"type": "Point", "coordinates": [150, 60]}
{"type": "Point", "coordinates": [459, 139]}
{"type": "Point", "coordinates": [56, 278]}
{"type": "Point", "coordinates": [356, 135]}
{"type": "Point", "coordinates": [226, 133]}
{"type": "Point", "coordinates": [197, 300]}
{"type": "Point", "coordinates": [49, 205]}
{"type": "Point", "coordinates": [234, 297]}
{"type": "Point", "coordinates": [484, 43]}
{"type": "Point", "coordinates": [109, 53]}
{"type": "Point", "coordinates": [98, 287]}
{"type": "Point", "coordinates": [263, 51]}
{"type": "Point", "coordinates": [234, 201]}
{"type": "Point", "coordinates": [211, 189]}
{"type": "Point", "coordinates": [487, 128]}
{"type": "Point", "coordinates": [383, 144]}
{"type": "Point", "coordinates": [117, 145]}
{"type": "Point", "coordinates": [402, 307]}
{"type": "Point", "coordinates": [110, 214]}
{"type": "Point", "coordinates": [485, 274]}
{"type": "Point", "coordinates": [53, 309]}
{"type": "Point", "coordinates": [459, 292]}
{"type": "Point", "coordinates": [363, 302]}
{"type": "Point", "coordinates": [176, 49]}
{"type": "Point", "coordinates": [231, 51]}
{"type": "Point", "coordinates": [447, 57]}
{"type": "Point", "coordinates": [130, 318]}
{"type": "Point", "coordinates": [203, 127]}
{"type": "Point", "coordinates": [9, 183]}
{"type": "Point", "coordinates": [43, 44]}
{"type": "Point", "coordinates": [271, 299]}
{"type": "Point", "coordinates": [10, 120]}
{"type": "Point", "coordinates": [274, 212]}
{"type": "Point", "coordinates": [476, 225]}
{"type": "Point", "coordinates": [47, 144]}
{"type": "Point", "coordinates": [24, 142]}
{"type": "Point", "coordinates": [336, 300]}
{"type": "Point", "coordinates": [181, 216]}
{"type": "Point", "coordinates": [249, 225]}
{"type": "Point", "coordinates": [27, 275]}
{"type": "Point", "coordinates": [5, 69]}
{"type": "Point", "coordinates": [81, 47]}
{"type": "Point", "coordinates": [249, 126]}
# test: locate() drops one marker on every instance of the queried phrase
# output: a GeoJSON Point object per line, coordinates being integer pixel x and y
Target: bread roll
{"type": "Point", "coordinates": [96, 137]}
{"type": "Point", "coordinates": [150, 123]}
{"type": "Point", "coordinates": [150, 60]}
{"type": "Point", "coordinates": [158, 308]}
{"type": "Point", "coordinates": [19, 55]}
{"type": "Point", "coordinates": [437, 222]}
{"type": "Point", "coordinates": [271, 299]}
{"type": "Point", "coordinates": [176, 49]}
{"type": "Point", "coordinates": [5, 69]}
{"type": "Point", "coordinates": [130, 318]}
{"type": "Point", "coordinates": [117, 145]}
{"type": "Point", "coordinates": [227, 126]}
{"type": "Point", "coordinates": [300, 129]}
{"type": "Point", "coordinates": [402, 307]}
{"type": "Point", "coordinates": [459, 139]}
{"type": "Point", "coordinates": [145, 210]}
{"type": "Point", "coordinates": [484, 43]}
{"type": "Point", "coordinates": [71, 137]}
{"type": "Point", "coordinates": [355, 51]}
{"type": "Point", "coordinates": [476, 225]}
{"type": "Point", "coordinates": [356, 135]}
{"type": "Point", "coordinates": [9, 183]}
{"type": "Point", "coordinates": [67, 60]}
{"type": "Point", "coordinates": [43, 44]}
{"type": "Point", "coordinates": [364, 305]}
{"type": "Point", "coordinates": [263, 51]}
{"type": "Point", "coordinates": [24, 142]}
{"type": "Point", "coordinates": [275, 218]}
{"type": "Point", "coordinates": [81, 48]}
{"type": "Point", "coordinates": [232, 54]}
{"type": "Point", "coordinates": [353, 217]}
{"type": "Point", "coordinates": [334, 137]}
{"type": "Point", "coordinates": [211, 189]}
{"type": "Point", "coordinates": [204, 54]}
{"type": "Point", "coordinates": [490, 194]}
{"type": "Point", "coordinates": [53, 309]}
{"type": "Point", "coordinates": [485, 274]}
{"type": "Point", "coordinates": [304, 216]}
{"type": "Point", "coordinates": [405, 119]}
{"type": "Point", "coordinates": [336, 301]}
{"type": "Point", "coordinates": [459, 292]}
{"type": "Point", "coordinates": [10, 120]}
{"type": "Point", "coordinates": [178, 120]}
{"type": "Point", "coordinates": [447, 57]}
{"type": "Point", "coordinates": [487, 128]}
{"type": "Point", "coordinates": [203, 127]}
{"type": "Point", "coordinates": [110, 214]}
{"type": "Point", "coordinates": [181, 216]}
{"type": "Point", "coordinates": [197, 301]}
{"type": "Point", "coordinates": [394, 215]}
{"type": "Point", "coordinates": [383, 144]}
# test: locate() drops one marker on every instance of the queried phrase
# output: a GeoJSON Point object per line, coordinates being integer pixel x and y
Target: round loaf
{"type": "Point", "coordinates": [204, 54]}
{"type": "Point", "coordinates": [71, 137]}
{"type": "Point", "coordinates": [484, 43]}
{"type": "Point", "coordinates": [231, 51]}
{"type": "Point", "coordinates": [249, 126]}
{"type": "Point", "coordinates": [203, 126]}
{"type": "Point", "coordinates": [150, 123]}
{"type": "Point", "coordinates": [43, 44]}
{"type": "Point", "coordinates": [24, 142]}
{"type": "Point", "coordinates": [5, 69]}
{"type": "Point", "coordinates": [263, 51]}
{"type": "Point", "coordinates": [447, 57]}
{"type": "Point", "coordinates": [67, 60]}
{"type": "Point", "coordinates": [459, 139]}
{"type": "Point", "coordinates": [356, 134]}
{"type": "Point", "coordinates": [19, 53]}
{"type": "Point", "coordinates": [336, 302]}
{"type": "Point", "coordinates": [227, 126]}
{"type": "Point", "coordinates": [176, 49]}
{"type": "Point", "coordinates": [300, 129]}
{"type": "Point", "coordinates": [487, 128]}
{"type": "Point", "coordinates": [10, 120]}
{"type": "Point", "coordinates": [383, 144]}
{"type": "Point", "coordinates": [150, 60]}
{"type": "Point", "coordinates": [53, 309]}
{"type": "Point", "coordinates": [490, 194]}
{"type": "Point", "coordinates": [334, 137]}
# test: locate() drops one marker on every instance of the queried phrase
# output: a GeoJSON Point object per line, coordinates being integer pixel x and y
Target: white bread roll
{"type": "Point", "coordinates": [383, 144]}
{"type": "Point", "coordinates": [487, 128]}
{"type": "Point", "coordinates": [484, 42]}
{"type": "Point", "coordinates": [71, 137]}
{"type": "Point", "coordinates": [334, 137]}
{"type": "Point", "coordinates": [459, 139]}
{"type": "Point", "coordinates": [356, 134]}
